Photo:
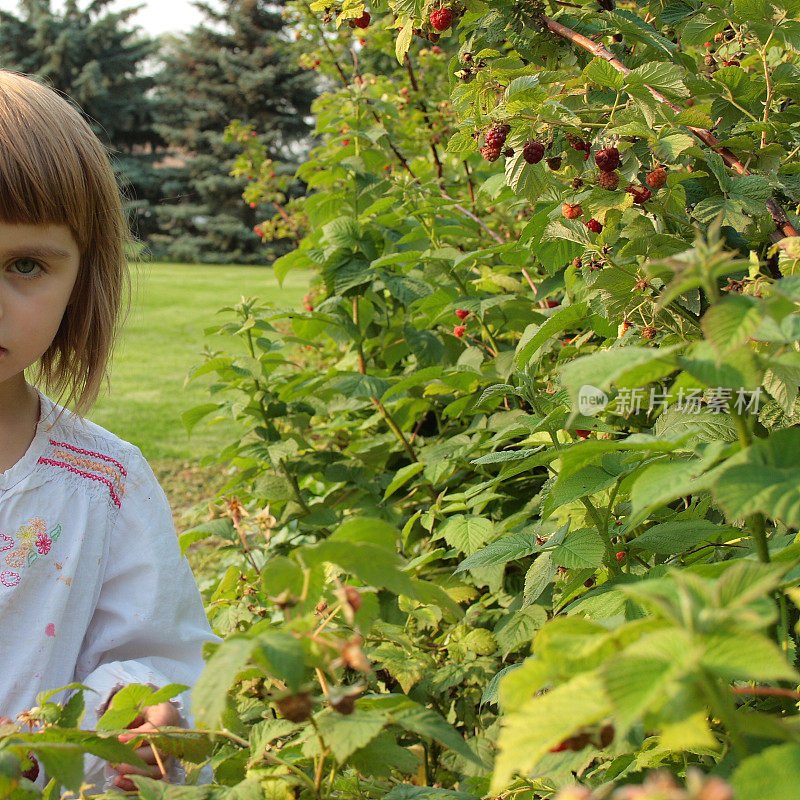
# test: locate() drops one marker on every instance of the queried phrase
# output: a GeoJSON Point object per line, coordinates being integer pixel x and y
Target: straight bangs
{"type": "Point", "coordinates": [54, 170]}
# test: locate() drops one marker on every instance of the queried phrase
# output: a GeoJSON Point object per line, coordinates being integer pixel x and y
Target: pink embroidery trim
{"type": "Point", "coordinates": [9, 579]}
{"type": "Point", "coordinates": [83, 474]}
{"type": "Point", "coordinates": [6, 542]}
{"type": "Point", "coordinates": [90, 453]}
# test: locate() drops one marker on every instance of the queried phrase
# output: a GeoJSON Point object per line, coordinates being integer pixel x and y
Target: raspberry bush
{"type": "Point", "coordinates": [513, 511]}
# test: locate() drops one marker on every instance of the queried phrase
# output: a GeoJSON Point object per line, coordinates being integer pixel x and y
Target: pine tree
{"type": "Point", "coordinates": [239, 64]}
{"type": "Point", "coordinates": [96, 59]}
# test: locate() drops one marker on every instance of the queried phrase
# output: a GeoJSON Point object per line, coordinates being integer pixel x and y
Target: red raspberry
{"type": "Point", "coordinates": [441, 19]}
{"type": "Point", "coordinates": [459, 330]}
{"type": "Point", "coordinates": [252, 205]}
{"type": "Point", "coordinates": [607, 159]}
{"type": "Point", "coordinates": [364, 20]}
{"type": "Point", "coordinates": [258, 231]}
{"type": "Point", "coordinates": [608, 180]}
{"type": "Point", "coordinates": [533, 152]}
{"type": "Point", "coordinates": [570, 211]}
{"type": "Point", "coordinates": [621, 555]}
{"type": "Point", "coordinates": [296, 707]}
{"type": "Point", "coordinates": [353, 597]}
{"type": "Point", "coordinates": [551, 303]}
{"type": "Point", "coordinates": [462, 313]}
{"type": "Point", "coordinates": [594, 226]}
{"type": "Point", "coordinates": [657, 178]}
{"type": "Point", "coordinates": [623, 328]}
{"type": "Point", "coordinates": [32, 773]}
{"type": "Point", "coordinates": [490, 153]}
{"type": "Point", "coordinates": [496, 135]}
{"type": "Point", "coordinates": [554, 163]}
{"type": "Point", "coordinates": [582, 433]}
{"type": "Point", "coordinates": [640, 194]}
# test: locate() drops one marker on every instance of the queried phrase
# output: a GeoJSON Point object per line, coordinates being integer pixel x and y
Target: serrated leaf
{"type": "Point", "coordinates": [599, 71]}
{"type": "Point", "coordinates": [773, 773]}
{"type": "Point", "coordinates": [467, 534]}
{"type": "Point", "coordinates": [731, 322]}
{"type": "Point", "coordinates": [346, 733]}
{"type": "Point", "coordinates": [538, 577]}
{"type": "Point", "coordinates": [581, 548]}
{"type": "Point", "coordinates": [517, 629]}
{"type": "Point", "coordinates": [671, 538]}
{"type": "Point", "coordinates": [509, 548]}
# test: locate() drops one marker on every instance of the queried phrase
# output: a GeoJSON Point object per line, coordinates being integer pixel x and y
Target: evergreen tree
{"type": "Point", "coordinates": [238, 64]}
{"type": "Point", "coordinates": [92, 56]}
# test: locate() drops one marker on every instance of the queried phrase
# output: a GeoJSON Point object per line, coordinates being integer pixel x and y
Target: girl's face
{"type": "Point", "coordinates": [38, 268]}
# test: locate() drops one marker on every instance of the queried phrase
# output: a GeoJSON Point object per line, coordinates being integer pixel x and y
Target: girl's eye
{"type": "Point", "coordinates": [26, 267]}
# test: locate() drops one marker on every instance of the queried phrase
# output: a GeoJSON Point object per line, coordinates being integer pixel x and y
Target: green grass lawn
{"type": "Point", "coordinates": [163, 339]}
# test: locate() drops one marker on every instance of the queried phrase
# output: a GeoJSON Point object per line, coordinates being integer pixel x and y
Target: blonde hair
{"type": "Point", "coordinates": [54, 170]}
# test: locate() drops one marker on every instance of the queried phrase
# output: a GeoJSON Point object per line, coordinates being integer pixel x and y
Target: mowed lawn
{"type": "Point", "coordinates": [161, 341]}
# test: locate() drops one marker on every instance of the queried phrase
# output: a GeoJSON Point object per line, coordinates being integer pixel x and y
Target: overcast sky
{"type": "Point", "coordinates": [157, 16]}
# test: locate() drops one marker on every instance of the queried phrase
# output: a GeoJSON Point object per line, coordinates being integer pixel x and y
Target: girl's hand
{"type": "Point", "coordinates": [151, 719]}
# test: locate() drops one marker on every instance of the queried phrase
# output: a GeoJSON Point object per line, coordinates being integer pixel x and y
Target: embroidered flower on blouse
{"type": "Point", "coordinates": [43, 544]}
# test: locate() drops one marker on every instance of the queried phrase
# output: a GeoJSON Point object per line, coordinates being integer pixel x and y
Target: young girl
{"type": "Point", "coordinates": [93, 587]}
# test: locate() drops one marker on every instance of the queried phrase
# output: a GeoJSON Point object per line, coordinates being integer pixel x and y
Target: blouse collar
{"type": "Point", "coordinates": [48, 415]}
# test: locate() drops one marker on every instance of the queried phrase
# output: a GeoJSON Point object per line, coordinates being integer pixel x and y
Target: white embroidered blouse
{"type": "Point", "coordinates": [93, 587]}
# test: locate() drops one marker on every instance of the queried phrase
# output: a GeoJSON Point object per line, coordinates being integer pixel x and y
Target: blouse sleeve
{"type": "Point", "coordinates": [149, 624]}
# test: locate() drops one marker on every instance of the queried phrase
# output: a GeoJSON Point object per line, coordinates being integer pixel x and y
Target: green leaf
{"type": "Point", "coordinates": [702, 28]}
{"type": "Point", "coordinates": [467, 534]}
{"type": "Point", "coordinates": [375, 566]}
{"type": "Point", "coordinates": [422, 721]}
{"type": "Point", "coordinates": [382, 755]}
{"type": "Point", "coordinates": [544, 721]}
{"type": "Point", "coordinates": [282, 574]}
{"type": "Point", "coordinates": [536, 335]}
{"type": "Point", "coordinates": [280, 654]}
{"type": "Point", "coordinates": [538, 577]}
{"type": "Point", "coordinates": [745, 656]}
{"type": "Point", "coordinates": [599, 71]}
{"type": "Point", "coordinates": [763, 478]}
{"type": "Point", "coordinates": [772, 773]}
{"type": "Point", "coordinates": [519, 628]}
{"type": "Point", "coordinates": [671, 538]}
{"type": "Point", "coordinates": [662, 76]}
{"type": "Point", "coordinates": [344, 734]}
{"type": "Point", "coordinates": [210, 693]}
{"type": "Point", "coordinates": [582, 548]}
{"type": "Point", "coordinates": [509, 548]}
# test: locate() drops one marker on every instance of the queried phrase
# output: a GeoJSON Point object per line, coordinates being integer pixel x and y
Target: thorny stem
{"type": "Point", "coordinates": [424, 109]}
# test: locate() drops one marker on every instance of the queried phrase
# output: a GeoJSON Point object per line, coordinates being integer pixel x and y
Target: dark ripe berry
{"type": "Point", "coordinates": [462, 313]}
{"type": "Point", "coordinates": [441, 19]}
{"type": "Point", "coordinates": [594, 226]}
{"type": "Point", "coordinates": [576, 143]}
{"type": "Point", "coordinates": [364, 20]}
{"type": "Point", "coordinates": [570, 211]}
{"type": "Point", "coordinates": [295, 707]}
{"type": "Point", "coordinates": [533, 152]}
{"type": "Point", "coordinates": [606, 735]}
{"type": "Point", "coordinates": [617, 37]}
{"type": "Point", "coordinates": [551, 303]}
{"type": "Point", "coordinates": [496, 135]}
{"type": "Point", "coordinates": [490, 153]}
{"type": "Point", "coordinates": [732, 63]}
{"type": "Point", "coordinates": [459, 331]}
{"type": "Point", "coordinates": [582, 433]}
{"type": "Point", "coordinates": [648, 332]}
{"type": "Point", "coordinates": [607, 159]}
{"type": "Point", "coordinates": [657, 178]}
{"type": "Point", "coordinates": [554, 163]}
{"type": "Point", "coordinates": [353, 597]}
{"type": "Point", "coordinates": [577, 183]}
{"type": "Point", "coordinates": [608, 180]}
{"type": "Point", "coordinates": [640, 194]}
{"type": "Point", "coordinates": [32, 773]}
{"type": "Point", "coordinates": [345, 705]}
{"type": "Point", "coordinates": [589, 583]}
{"type": "Point", "coordinates": [508, 152]}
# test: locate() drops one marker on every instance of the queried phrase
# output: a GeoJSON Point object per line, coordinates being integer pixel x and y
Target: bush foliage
{"type": "Point", "coordinates": [514, 508]}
